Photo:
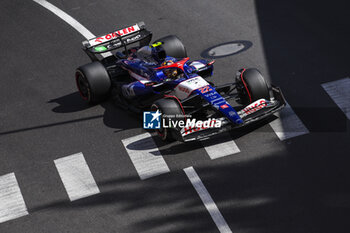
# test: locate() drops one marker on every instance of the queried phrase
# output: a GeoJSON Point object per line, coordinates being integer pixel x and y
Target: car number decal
{"type": "Point", "coordinates": [185, 88]}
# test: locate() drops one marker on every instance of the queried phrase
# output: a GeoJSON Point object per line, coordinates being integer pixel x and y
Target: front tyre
{"type": "Point", "coordinates": [168, 107]}
{"type": "Point", "coordinates": [93, 82]}
{"type": "Point", "coordinates": [252, 86]}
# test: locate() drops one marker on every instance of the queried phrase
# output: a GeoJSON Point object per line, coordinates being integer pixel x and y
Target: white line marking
{"type": "Point", "coordinates": [70, 20]}
{"type": "Point", "coordinates": [67, 18]}
{"type": "Point", "coordinates": [339, 91]}
{"type": "Point", "coordinates": [145, 156]}
{"type": "Point", "coordinates": [12, 204]}
{"type": "Point", "coordinates": [288, 125]}
{"type": "Point", "coordinates": [207, 200]}
{"type": "Point", "coordinates": [217, 148]}
{"type": "Point", "coordinates": [76, 176]}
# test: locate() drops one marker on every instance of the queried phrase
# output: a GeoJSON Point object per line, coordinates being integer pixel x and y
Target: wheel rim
{"type": "Point", "coordinates": [83, 86]}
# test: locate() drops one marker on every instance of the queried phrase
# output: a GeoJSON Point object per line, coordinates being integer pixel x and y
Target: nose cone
{"type": "Point", "coordinates": [218, 102]}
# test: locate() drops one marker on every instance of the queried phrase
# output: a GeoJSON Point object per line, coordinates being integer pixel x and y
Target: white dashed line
{"type": "Point", "coordinates": [288, 124]}
{"type": "Point", "coordinates": [339, 91]}
{"type": "Point", "coordinates": [70, 20]}
{"type": "Point", "coordinates": [12, 204]}
{"type": "Point", "coordinates": [207, 200]}
{"type": "Point", "coordinates": [217, 148]}
{"type": "Point", "coordinates": [76, 176]}
{"type": "Point", "coordinates": [145, 156]}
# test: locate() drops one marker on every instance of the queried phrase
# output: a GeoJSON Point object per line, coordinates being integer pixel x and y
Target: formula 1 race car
{"type": "Point", "coordinates": [159, 77]}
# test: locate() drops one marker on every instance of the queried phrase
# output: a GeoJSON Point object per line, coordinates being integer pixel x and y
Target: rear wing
{"type": "Point", "coordinates": [117, 39]}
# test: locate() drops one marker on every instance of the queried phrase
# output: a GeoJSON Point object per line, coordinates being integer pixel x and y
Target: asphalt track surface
{"type": "Point", "coordinates": [298, 185]}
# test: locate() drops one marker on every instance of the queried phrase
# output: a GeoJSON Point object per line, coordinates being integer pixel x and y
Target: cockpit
{"type": "Point", "coordinates": [173, 73]}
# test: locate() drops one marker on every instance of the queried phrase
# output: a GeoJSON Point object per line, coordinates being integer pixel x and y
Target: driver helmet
{"type": "Point", "coordinates": [171, 72]}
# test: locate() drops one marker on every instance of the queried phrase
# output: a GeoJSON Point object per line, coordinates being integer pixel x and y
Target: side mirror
{"type": "Point", "coordinates": [211, 62]}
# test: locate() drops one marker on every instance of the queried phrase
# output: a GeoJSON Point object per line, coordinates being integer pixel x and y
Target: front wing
{"type": "Point", "coordinates": [191, 134]}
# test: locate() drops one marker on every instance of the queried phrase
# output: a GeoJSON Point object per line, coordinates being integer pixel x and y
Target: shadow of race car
{"type": "Point", "coordinates": [159, 77]}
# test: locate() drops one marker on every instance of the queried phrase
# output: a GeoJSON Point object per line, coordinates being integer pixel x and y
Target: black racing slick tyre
{"type": "Point", "coordinates": [93, 82]}
{"type": "Point", "coordinates": [171, 109]}
{"type": "Point", "coordinates": [252, 86]}
{"type": "Point", "coordinates": [173, 46]}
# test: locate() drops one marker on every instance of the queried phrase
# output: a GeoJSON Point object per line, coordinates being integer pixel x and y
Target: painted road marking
{"type": "Point", "coordinates": [218, 147]}
{"type": "Point", "coordinates": [70, 20]}
{"type": "Point", "coordinates": [288, 124]}
{"type": "Point", "coordinates": [339, 91]}
{"type": "Point", "coordinates": [145, 156]}
{"type": "Point", "coordinates": [207, 200]}
{"type": "Point", "coordinates": [76, 176]}
{"type": "Point", "coordinates": [12, 204]}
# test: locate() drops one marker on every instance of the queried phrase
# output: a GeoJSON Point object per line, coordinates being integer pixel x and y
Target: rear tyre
{"type": "Point", "coordinates": [173, 46]}
{"type": "Point", "coordinates": [93, 82]}
{"type": "Point", "coordinates": [251, 86]}
{"type": "Point", "coordinates": [168, 107]}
